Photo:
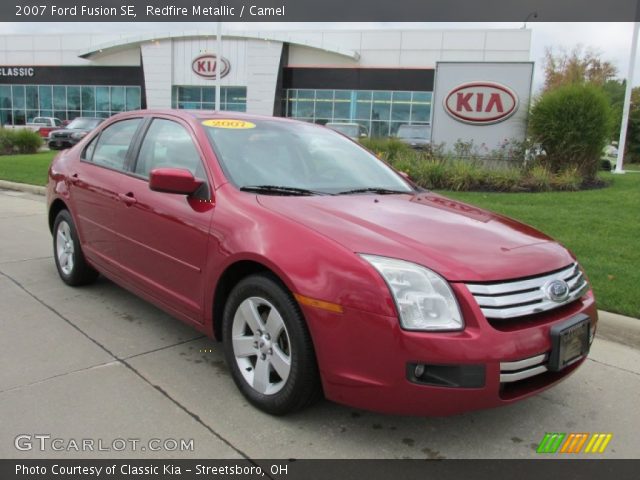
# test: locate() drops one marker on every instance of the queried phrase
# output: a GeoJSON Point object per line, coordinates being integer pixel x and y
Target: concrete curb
{"type": "Point", "coordinates": [611, 326]}
{"type": "Point", "coordinates": [23, 187]}
{"type": "Point", "coordinates": [619, 329]}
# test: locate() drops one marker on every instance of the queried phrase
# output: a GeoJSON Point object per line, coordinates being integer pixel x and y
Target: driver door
{"type": "Point", "coordinates": [164, 236]}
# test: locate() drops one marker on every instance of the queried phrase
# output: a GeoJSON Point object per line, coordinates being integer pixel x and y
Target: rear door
{"type": "Point", "coordinates": [164, 236]}
{"type": "Point", "coordinates": [94, 189]}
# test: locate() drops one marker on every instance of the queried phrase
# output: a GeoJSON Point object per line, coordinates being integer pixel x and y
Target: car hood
{"type": "Point", "coordinates": [459, 241]}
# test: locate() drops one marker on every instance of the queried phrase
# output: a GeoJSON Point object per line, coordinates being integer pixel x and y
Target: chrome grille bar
{"type": "Point", "coordinates": [525, 297]}
{"type": "Point", "coordinates": [521, 369]}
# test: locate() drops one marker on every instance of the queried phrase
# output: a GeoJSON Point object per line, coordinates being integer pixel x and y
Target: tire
{"type": "Point", "coordinates": [70, 262]}
{"type": "Point", "coordinates": [268, 347]}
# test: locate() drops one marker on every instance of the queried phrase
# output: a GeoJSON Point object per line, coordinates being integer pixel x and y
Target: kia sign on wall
{"type": "Point", "coordinates": [481, 103]}
{"type": "Point", "coordinates": [205, 66]}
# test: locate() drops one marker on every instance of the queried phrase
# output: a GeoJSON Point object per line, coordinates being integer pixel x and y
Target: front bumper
{"type": "Point", "coordinates": [366, 359]}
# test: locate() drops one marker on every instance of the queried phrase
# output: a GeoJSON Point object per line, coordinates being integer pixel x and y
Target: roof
{"type": "Point", "coordinates": [285, 37]}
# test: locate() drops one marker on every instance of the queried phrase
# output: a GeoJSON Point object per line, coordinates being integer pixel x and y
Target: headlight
{"type": "Point", "coordinates": [78, 135]}
{"type": "Point", "coordinates": [424, 299]}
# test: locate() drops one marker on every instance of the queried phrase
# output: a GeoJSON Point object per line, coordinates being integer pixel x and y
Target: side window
{"type": "Point", "coordinates": [167, 144]}
{"type": "Point", "coordinates": [57, 122]}
{"type": "Point", "coordinates": [89, 149]}
{"type": "Point", "coordinates": [113, 144]}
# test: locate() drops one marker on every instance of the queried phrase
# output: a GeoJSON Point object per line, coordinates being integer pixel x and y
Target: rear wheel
{"type": "Point", "coordinates": [268, 347]}
{"type": "Point", "coordinates": [70, 262]}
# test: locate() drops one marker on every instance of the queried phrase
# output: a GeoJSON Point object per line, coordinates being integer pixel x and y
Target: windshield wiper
{"type": "Point", "coordinates": [280, 189]}
{"type": "Point", "coordinates": [379, 190]}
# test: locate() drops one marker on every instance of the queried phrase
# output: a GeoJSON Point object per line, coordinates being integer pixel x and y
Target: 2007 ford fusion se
{"type": "Point", "coordinates": [321, 269]}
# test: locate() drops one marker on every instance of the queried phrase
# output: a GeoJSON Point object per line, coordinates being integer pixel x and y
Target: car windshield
{"type": "Point", "coordinates": [346, 129]}
{"type": "Point", "coordinates": [414, 131]}
{"type": "Point", "coordinates": [299, 157]}
{"type": "Point", "coordinates": [84, 123]}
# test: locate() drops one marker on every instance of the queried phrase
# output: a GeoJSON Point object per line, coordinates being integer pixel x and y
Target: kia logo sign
{"type": "Point", "coordinates": [205, 66]}
{"type": "Point", "coordinates": [481, 103]}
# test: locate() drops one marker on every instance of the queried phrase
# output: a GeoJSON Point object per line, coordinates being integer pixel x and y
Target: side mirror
{"type": "Point", "coordinates": [173, 180]}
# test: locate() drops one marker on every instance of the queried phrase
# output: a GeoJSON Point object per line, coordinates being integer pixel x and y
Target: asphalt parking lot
{"type": "Point", "coordinates": [99, 363]}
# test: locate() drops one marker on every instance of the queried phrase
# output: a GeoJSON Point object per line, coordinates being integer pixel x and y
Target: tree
{"type": "Point", "coordinates": [577, 66]}
{"type": "Point", "coordinates": [614, 90]}
{"type": "Point", "coordinates": [572, 124]}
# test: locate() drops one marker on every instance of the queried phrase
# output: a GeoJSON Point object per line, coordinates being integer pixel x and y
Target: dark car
{"type": "Point", "coordinates": [75, 131]}
{"type": "Point", "coordinates": [416, 136]}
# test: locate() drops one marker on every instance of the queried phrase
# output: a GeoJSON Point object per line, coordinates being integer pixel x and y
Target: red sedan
{"type": "Point", "coordinates": [321, 269]}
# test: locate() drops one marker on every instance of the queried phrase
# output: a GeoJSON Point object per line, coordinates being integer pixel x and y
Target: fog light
{"type": "Point", "coordinates": [419, 371]}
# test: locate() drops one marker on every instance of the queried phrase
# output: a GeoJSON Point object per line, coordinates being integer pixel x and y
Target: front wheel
{"type": "Point", "coordinates": [268, 347]}
{"type": "Point", "coordinates": [70, 262]}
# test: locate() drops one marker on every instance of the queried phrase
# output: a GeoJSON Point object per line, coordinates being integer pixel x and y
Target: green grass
{"type": "Point", "coordinates": [30, 169]}
{"type": "Point", "coordinates": [601, 227]}
{"type": "Point", "coordinates": [632, 166]}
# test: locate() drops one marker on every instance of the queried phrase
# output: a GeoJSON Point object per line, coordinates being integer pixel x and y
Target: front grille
{"type": "Point", "coordinates": [521, 369]}
{"type": "Point", "coordinates": [518, 298]}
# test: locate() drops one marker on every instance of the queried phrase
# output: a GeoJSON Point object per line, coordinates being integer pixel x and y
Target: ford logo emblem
{"type": "Point", "coordinates": [556, 290]}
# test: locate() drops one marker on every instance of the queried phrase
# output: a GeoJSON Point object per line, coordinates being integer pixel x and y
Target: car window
{"type": "Point", "coordinates": [57, 122]}
{"type": "Point", "coordinates": [113, 144]}
{"type": "Point", "coordinates": [87, 154]}
{"type": "Point", "coordinates": [167, 144]}
{"type": "Point", "coordinates": [298, 155]}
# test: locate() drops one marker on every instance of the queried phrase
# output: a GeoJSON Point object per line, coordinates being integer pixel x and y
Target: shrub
{"type": "Point", "coordinates": [387, 148]}
{"type": "Point", "coordinates": [463, 175]}
{"type": "Point", "coordinates": [27, 141]}
{"type": "Point", "coordinates": [569, 179]}
{"type": "Point", "coordinates": [572, 123]}
{"type": "Point", "coordinates": [6, 141]}
{"type": "Point", "coordinates": [539, 179]}
{"type": "Point", "coordinates": [504, 179]}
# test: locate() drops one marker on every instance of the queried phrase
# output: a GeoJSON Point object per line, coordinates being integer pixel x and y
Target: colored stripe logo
{"type": "Point", "coordinates": [574, 442]}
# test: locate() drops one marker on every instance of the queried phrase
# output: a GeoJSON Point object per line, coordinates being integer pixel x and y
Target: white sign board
{"type": "Point", "coordinates": [483, 102]}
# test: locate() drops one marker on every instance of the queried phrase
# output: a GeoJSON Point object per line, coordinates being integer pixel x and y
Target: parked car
{"type": "Point", "coordinates": [320, 268]}
{"type": "Point", "coordinates": [71, 134]}
{"type": "Point", "coordinates": [416, 136]}
{"type": "Point", "coordinates": [351, 130]}
{"type": "Point", "coordinates": [42, 125]}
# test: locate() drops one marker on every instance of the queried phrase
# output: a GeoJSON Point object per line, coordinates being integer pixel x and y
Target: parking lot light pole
{"type": "Point", "coordinates": [627, 101]}
{"type": "Point", "coordinates": [218, 62]}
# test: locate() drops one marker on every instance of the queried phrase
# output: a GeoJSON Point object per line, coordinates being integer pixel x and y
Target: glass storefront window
{"type": "Point", "coordinates": [45, 101]}
{"type": "Point", "coordinates": [59, 98]}
{"type": "Point", "coordinates": [324, 106]}
{"type": "Point", "coordinates": [19, 104]}
{"type": "Point", "coordinates": [103, 99]}
{"type": "Point", "coordinates": [18, 96]}
{"type": "Point", "coordinates": [31, 96]}
{"type": "Point", "coordinates": [73, 98]}
{"type": "Point", "coordinates": [204, 98]}
{"type": "Point", "coordinates": [343, 105]}
{"type": "Point", "coordinates": [117, 99]}
{"type": "Point", "coordinates": [382, 112]}
{"type": "Point", "coordinates": [133, 98]}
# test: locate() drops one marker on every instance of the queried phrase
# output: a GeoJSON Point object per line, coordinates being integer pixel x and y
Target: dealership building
{"type": "Point", "coordinates": [468, 84]}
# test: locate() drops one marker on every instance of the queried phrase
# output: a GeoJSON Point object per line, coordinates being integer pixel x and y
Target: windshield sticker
{"type": "Point", "coordinates": [228, 123]}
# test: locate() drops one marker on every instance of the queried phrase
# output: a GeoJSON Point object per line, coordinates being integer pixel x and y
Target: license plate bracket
{"type": "Point", "coordinates": [569, 342]}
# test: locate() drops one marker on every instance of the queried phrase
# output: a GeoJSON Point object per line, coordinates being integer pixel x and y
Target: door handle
{"type": "Point", "coordinates": [127, 198]}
